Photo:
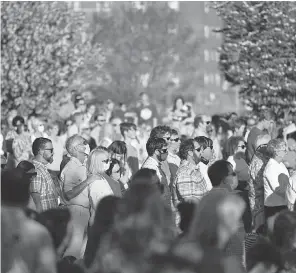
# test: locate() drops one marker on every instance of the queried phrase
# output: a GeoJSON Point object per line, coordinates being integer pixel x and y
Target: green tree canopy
{"type": "Point", "coordinates": [259, 51]}
{"type": "Point", "coordinates": [148, 49]}
{"type": "Point", "coordinates": [42, 45]}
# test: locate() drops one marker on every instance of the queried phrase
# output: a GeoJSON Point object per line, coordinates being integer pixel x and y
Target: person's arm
{"type": "Point", "coordinates": [37, 201]}
{"type": "Point", "coordinates": [35, 189]}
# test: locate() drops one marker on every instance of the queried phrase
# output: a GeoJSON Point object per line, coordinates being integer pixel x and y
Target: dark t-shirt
{"type": "Point", "coordinates": [251, 145]}
{"type": "Point", "coordinates": [146, 114]}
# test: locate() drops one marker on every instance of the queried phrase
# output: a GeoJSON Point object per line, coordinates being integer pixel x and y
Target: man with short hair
{"type": "Point", "coordinates": [173, 149]}
{"type": "Point", "coordinates": [74, 185]}
{"type": "Point", "coordinates": [128, 131]}
{"type": "Point", "coordinates": [265, 122]}
{"type": "Point", "coordinates": [157, 149]}
{"type": "Point", "coordinates": [189, 184]}
{"type": "Point", "coordinates": [42, 188]}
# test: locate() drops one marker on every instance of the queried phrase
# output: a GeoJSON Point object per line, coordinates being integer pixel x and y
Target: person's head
{"type": "Point", "coordinates": [284, 230]}
{"type": "Point", "coordinates": [91, 109]}
{"type": "Point", "coordinates": [19, 123]}
{"type": "Point", "coordinates": [38, 125]}
{"type": "Point", "coordinates": [216, 219]}
{"type": "Point", "coordinates": [98, 162]}
{"type": "Point", "coordinates": [240, 125]}
{"type": "Point", "coordinates": [53, 129]}
{"type": "Point", "coordinates": [77, 147]}
{"type": "Point", "coordinates": [205, 148]}
{"type": "Point", "coordinates": [116, 121]}
{"type": "Point", "coordinates": [15, 188]}
{"type": "Point", "coordinates": [57, 222]}
{"type": "Point", "coordinates": [110, 105]}
{"type": "Point", "coordinates": [235, 145]}
{"type": "Point", "coordinates": [277, 149]}
{"type": "Point", "coordinates": [211, 131]}
{"type": "Point", "coordinates": [144, 98]}
{"type": "Point", "coordinates": [221, 174]}
{"type": "Point", "coordinates": [262, 140]}
{"type": "Point", "coordinates": [100, 119]}
{"type": "Point", "coordinates": [86, 133]}
{"type": "Point", "coordinates": [158, 148]}
{"type": "Point", "coordinates": [147, 176]}
{"type": "Point", "coordinates": [266, 119]}
{"type": "Point", "coordinates": [114, 170]}
{"type": "Point", "coordinates": [128, 130]}
{"type": "Point", "coordinates": [118, 151]}
{"type": "Point", "coordinates": [122, 107]}
{"type": "Point", "coordinates": [80, 103]}
{"type": "Point", "coordinates": [178, 103]}
{"type": "Point", "coordinates": [43, 150]}
{"type": "Point", "coordinates": [78, 118]}
{"type": "Point", "coordinates": [161, 131]}
{"type": "Point", "coordinates": [175, 141]}
{"type": "Point", "coordinates": [188, 151]}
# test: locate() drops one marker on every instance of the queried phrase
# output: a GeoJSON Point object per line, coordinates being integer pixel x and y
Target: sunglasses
{"type": "Point", "coordinates": [51, 150]}
{"type": "Point", "coordinates": [175, 140]}
{"type": "Point", "coordinates": [163, 151]}
{"type": "Point", "coordinates": [198, 149]}
{"type": "Point", "coordinates": [167, 138]}
{"type": "Point", "coordinates": [243, 146]}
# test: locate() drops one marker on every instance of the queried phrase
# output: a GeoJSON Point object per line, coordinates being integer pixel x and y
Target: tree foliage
{"type": "Point", "coordinates": [259, 51]}
{"type": "Point", "coordinates": [147, 48]}
{"type": "Point", "coordinates": [42, 45]}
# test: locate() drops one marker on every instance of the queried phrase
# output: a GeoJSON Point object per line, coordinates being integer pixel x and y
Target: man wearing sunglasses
{"type": "Point", "coordinates": [157, 149]}
{"type": "Point", "coordinates": [189, 184]}
{"type": "Point", "coordinates": [173, 149]}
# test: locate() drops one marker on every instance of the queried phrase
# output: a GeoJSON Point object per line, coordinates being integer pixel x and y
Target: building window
{"type": "Point", "coordinates": [206, 31]}
{"type": "Point", "coordinates": [206, 55]}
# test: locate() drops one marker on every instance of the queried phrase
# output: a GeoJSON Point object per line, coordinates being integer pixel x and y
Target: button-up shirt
{"type": "Point", "coordinates": [72, 175]}
{"type": "Point", "coordinates": [44, 185]}
{"type": "Point", "coordinates": [291, 192]}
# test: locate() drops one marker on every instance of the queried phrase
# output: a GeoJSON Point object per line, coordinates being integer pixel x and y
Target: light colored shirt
{"type": "Point", "coordinates": [58, 147]}
{"type": "Point", "coordinates": [72, 175]}
{"type": "Point", "coordinates": [272, 187]}
{"type": "Point", "coordinates": [174, 159]}
{"type": "Point", "coordinates": [204, 171]}
{"type": "Point", "coordinates": [291, 191]}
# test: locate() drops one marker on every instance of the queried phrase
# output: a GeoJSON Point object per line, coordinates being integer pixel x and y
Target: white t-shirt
{"type": "Point", "coordinates": [204, 171]}
{"type": "Point", "coordinates": [272, 197]}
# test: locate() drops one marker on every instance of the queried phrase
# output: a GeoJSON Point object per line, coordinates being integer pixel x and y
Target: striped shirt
{"type": "Point", "coordinates": [44, 185]}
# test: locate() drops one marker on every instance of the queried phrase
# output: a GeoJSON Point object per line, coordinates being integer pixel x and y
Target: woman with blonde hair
{"type": "Point", "coordinates": [97, 163]}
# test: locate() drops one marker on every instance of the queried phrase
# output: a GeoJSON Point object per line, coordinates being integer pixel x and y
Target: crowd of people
{"type": "Point", "coordinates": [112, 191]}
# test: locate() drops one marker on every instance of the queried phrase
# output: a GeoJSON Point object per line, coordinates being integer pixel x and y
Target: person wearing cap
{"type": "Point", "coordinates": [74, 185]}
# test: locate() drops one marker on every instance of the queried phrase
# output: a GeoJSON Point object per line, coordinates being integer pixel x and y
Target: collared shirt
{"type": "Point", "coordinates": [163, 173]}
{"type": "Point", "coordinates": [174, 162]}
{"type": "Point", "coordinates": [72, 175]}
{"type": "Point", "coordinates": [204, 171]}
{"type": "Point", "coordinates": [44, 185]}
{"type": "Point", "coordinates": [272, 187]}
{"type": "Point", "coordinates": [189, 184]}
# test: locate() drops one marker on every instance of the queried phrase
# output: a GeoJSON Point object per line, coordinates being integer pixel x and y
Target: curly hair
{"type": "Point", "coordinates": [185, 147]}
{"type": "Point", "coordinates": [159, 131]}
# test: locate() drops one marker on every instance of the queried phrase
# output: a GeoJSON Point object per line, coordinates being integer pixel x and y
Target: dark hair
{"type": "Point", "coordinates": [118, 147]}
{"type": "Point", "coordinates": [67, 264]}
{"type": "Point", "coordinates": [202, 141]}
{"type": "Point", "coordinates": [15, 187]}
{"type": "Point", "coordinates": [263, 252]}
{"type": "Point", "coordinates": [218, 171]}
{"type": "Point", "coordinates": [174, 132]}
{"type": "Point", "coordinates": [126, 126]}
{"type": "Point", "coordinates": [197, 121]}
{"type": "Point", "coordinates": [38, 144]}
{"type": "Point", "coordinates": [56, 221]}
{"type": "Point", "coordinates": [266, 114]}
{"type": "Point", "coordinates": [231, 145]}
{"type": "Point", "coordinates": [175, 102]}
{"type": "Point", "coordinates": [26, 166]}
{"type": "Point", "coordinates": [147, 176]}
{"type": "Point", "coordinates": [154, 144]}
{"type": "Point", "coordinates": [185, 147]}
{"type": "Point", "coordinates": [114, 162]}
{"type": "Point", "coordinates": [16, 119]}
{"type": "Point", "coordinates": [284, 230]}
{"type": "Point", "coordinates": [159, 131]}
{"type": "Point", "coordinates": [103, 222]}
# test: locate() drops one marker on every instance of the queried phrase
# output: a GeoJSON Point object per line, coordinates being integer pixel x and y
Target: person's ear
{"type": "Point", "coordinates": [190, 153]}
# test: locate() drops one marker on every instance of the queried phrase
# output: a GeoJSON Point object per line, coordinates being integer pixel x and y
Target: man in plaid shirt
{"type": "Point", "coordinates": [42, 187]}
{"type": "Point", "coordinates": [189, 184]}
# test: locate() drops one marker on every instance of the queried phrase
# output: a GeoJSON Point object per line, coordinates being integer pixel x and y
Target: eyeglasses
{"type": "Point", "coordinates": [163, 151]}
{"type": "Point", "coordinates": [167, 138]}
{"type": "Point", "coordinates": [175, 139]}
{"type": "Point", "coordinates": [242, 146]}
{"type": "Point", "coordinates": [101, 120]}
{"type": "Point", "coordinates": [51, 150]}
{"type": "Point", "coordinates": [198, 149]}
{"type": "Point", "coordinates": [115, 125]}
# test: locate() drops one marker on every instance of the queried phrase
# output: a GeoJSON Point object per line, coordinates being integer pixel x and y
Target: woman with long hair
{"type": "Point", "coordinates": [142, 225]}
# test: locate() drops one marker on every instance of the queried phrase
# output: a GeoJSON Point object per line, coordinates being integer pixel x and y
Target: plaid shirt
{"type": "Point", "coordinates": [44, 185]}
{"type": "Point", "coordinates": [189, 184]}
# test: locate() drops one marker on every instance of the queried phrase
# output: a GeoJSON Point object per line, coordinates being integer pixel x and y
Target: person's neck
{"type": "Point", "coordinates": [40, 159]}
{"type": "Point", "coordinates": [191, 160]}
{"type": "Point", "coordinates": [172, 151]}
{"type": "Point", "coordinates": [155, 157]}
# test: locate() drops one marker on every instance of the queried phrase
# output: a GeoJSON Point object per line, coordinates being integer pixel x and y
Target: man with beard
{"type": "Point", "coordinates": [42, 187]}
{"type": "Point", "coordinates": [189, 184]}
{"type": "Point", "coordinates": [173, 149]}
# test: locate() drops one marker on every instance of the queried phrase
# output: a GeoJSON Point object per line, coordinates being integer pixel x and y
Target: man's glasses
{"type": "Point", "coordinates": [51, 150]}
{"type": "Point", "coordinates": [163, 151]}
{"type": "Point", "coordinates": [115, 125]}
{"type": "Point", "coordinates": [198, 149]}
{"type": "Point", "coordinates": [242, 146]}
{"type": "Point", "coordinates": [167, 138]}
{"type": "Point", "coordinates": [175, 139]}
